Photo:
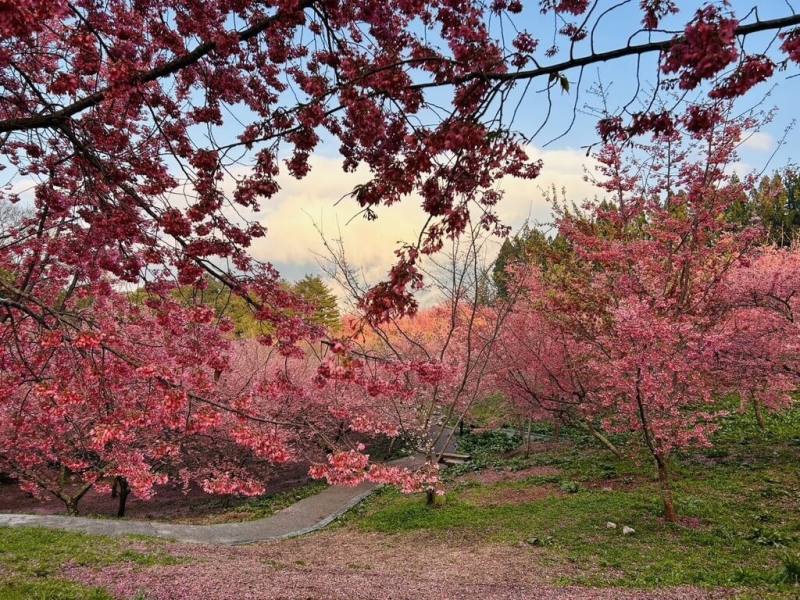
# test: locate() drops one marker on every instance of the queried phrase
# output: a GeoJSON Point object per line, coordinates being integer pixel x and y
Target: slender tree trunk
{"type": "Point", "coordinates": [557, 429]}
{"type": "Point", "coordinates": [114, 485]}
{"type": "Point", "coordinates": [391, 447]}
{"type": "Point", "coordinates": [528, 441]}
{"type": "Point", "coordinates": [124, 490]}
{"type": "Point", "coordinates": [602, 439]}
{"type": "Point", "coordinates": [663, 470]}
{"type": "Point", "coordinates": [759, 415]}
{"type": "Point", "coordinates": [666, 490]}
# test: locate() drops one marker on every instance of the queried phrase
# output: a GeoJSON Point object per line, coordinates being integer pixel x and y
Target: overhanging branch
{"type": "Point", "coordinates": [600, 57]}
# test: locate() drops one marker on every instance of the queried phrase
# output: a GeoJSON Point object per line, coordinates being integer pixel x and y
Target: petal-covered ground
{"type": "Point", "coordinates": [343, 564]}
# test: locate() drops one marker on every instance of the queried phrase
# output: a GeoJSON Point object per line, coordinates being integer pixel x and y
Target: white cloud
{"type": "Point", "coordinates": [291, 217]}
{"type": "Point", "coordinates": [740, 168]}
{"type": "Point", "coordinates": [760, 141]}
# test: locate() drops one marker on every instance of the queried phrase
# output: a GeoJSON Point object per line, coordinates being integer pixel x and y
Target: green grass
{"type": "Point", "coordinates": [258, 508]}
{"type": "Point", "coordinates": [490, 411]}
{"type": "Point", "coordinates": [48, 589]}
{"type": "Point", "coordinates": [31, 560]}
{"type": "Point", "coordinates": [738, 501]}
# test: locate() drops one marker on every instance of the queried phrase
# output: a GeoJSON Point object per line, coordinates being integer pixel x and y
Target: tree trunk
{"type": "Point", "coordinates": [557, 430]}
{"type": "Point", "coordinates": [742, 403]}
{"type": "Point", "coordinates": [430, 497]}
{"type": "Point", "coordinates": [124, 490]}
{"type": "Point", "coordinates": [114, 485]}
{"type": "Point", "coordinates": [759, 415]}
{"type": "Point", "coordinates": [528, 441]}
{"type": "Point", "coordinates": [391, 447]}
{"type": "Point", "coordinates": [603, 439]}
{"type": "Point", "coordinates": [72, 506]}
{"type": "Point", "coordinates": [666, 490]}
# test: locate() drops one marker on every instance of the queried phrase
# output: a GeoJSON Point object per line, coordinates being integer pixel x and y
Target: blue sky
{"type": "Point", "coordinates": [302, 204]}
{"type": "Point", "coordinates": [293, 216]}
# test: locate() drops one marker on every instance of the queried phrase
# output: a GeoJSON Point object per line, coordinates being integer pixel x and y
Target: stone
{"type": "Point", "coordinates": [628, 530]}
{"type": "Point", "coordinates": [611, 525]}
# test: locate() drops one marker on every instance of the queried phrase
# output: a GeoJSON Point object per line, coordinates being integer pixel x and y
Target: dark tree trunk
{"type": "Point", "coordinates": [124, 490]}
{"type": "Point", "coordinates": [72, 506]}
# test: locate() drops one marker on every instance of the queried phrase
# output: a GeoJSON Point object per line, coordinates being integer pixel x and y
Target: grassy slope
{"type": "Point", "coordinates": [739, 502]}
{"type": "Point", "coordinates": [31, 558]}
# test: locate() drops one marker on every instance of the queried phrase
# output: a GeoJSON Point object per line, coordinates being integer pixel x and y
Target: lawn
{"type": "Point", "coordinates": [738, 502]}
{"type": "Point", "coordinates": [31, 560]}
{"type": "Point", "coordinates": [220, 511]}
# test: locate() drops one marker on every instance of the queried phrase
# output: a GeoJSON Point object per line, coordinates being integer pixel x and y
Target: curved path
{"type": "Point", "coordinates": [304, 516]}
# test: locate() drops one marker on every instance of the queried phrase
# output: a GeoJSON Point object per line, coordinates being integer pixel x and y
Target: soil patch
{"type": "Point", "coordinates": [492, 476]}
{"type": "Point", "coordinates": [504, 496]}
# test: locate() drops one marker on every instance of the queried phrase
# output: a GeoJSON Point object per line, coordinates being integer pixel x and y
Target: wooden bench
{"type": "Point", "coordinates": [451, 458]}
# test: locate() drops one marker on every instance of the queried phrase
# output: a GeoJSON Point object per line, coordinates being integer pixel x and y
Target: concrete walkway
{"type": "Point", "coordinates": [305, 516]}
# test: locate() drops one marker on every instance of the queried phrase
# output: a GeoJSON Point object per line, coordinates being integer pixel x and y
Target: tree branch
{"type": "Point", "coordinates": [169, 68]}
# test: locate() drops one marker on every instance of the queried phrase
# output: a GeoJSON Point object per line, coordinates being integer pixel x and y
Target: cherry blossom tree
{"type": "Point", "coordinates": [759, 336]}
{"type": "Point", "coordinates": [545, 372]}
{"type": "Point", "coordinates": [145, 136]}
{"type": "Point", "coordinates": [661, 303]}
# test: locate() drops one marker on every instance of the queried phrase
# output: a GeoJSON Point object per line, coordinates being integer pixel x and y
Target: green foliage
{"type": "Point", "coordinates": [493, 410]}
{"type": "Point", "coordinates": [326, 311]}
{"type": "Point", "coordinates": [570, 487]}
{"type": "Point", "coordinates": [529, 245]}
{"type": "Point", "coordinates": [229, 305]}
{"type": "Point", "coordinates": [224, 302]}
{"type": "Point", "coordinates": [791, 568]}
{"type": "Point", "coordinates": [489, 445]}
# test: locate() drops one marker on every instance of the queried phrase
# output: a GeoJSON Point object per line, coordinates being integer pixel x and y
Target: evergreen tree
{"type": "Point", "coordinates": [775, 204]}
{"type": "Point", "coordinates": [315, 292]}
{"type": "Point", "coordinates": [528, 246]}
